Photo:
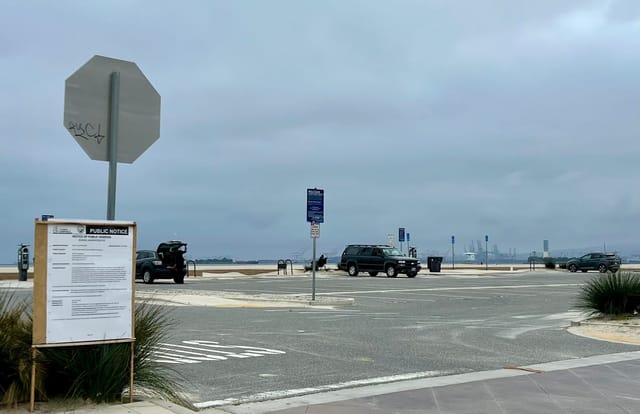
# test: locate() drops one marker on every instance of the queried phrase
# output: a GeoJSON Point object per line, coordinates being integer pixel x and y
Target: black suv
{"type": "Point", "coordinates": [376, 258]}
{"type": "Point", "coordinates": [602, 262]}
{"type": "Point", "coordinates": [166, 262]}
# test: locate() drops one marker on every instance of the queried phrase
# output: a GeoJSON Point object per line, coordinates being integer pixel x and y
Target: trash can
{"type": "Point", "coordinates": [434, 263]}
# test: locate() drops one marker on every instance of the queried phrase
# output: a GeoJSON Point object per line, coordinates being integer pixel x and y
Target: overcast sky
{"type": "Point", "coordinates": [515, 119]}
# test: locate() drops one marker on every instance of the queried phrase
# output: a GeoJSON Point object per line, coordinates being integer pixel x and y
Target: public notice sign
{"type": "Point", "coordinates": [89, 277]}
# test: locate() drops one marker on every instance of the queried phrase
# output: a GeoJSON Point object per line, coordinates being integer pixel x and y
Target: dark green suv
{"type": "Point", "coordinates": [601, 262]}
{"type": "Point", "coordinates": [374, 259]}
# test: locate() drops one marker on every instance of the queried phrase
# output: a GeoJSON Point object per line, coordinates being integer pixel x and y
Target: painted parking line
{"type": "Point", "coordinates": [197, 351]}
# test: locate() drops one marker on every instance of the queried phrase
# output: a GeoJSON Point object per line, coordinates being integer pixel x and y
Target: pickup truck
{"type": "Point", "coordinates": [602, 262]}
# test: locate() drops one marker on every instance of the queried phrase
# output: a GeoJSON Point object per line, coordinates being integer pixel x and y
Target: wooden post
{"type": "Point", "coordinates": [131, 373]}
{"type": "Point", "coordinates": [32, 400]}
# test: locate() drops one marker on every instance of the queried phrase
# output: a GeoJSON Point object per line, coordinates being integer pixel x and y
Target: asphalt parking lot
{"type": "Point", "coordinates": [396, 329]}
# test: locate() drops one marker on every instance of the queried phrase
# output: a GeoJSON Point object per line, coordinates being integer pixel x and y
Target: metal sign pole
{"type": "Point", "coordinates": [112, 142]}
{"type": "Point", "coordinates": [313, 265]}
{"type": "Point", "coordinates": [453, 252]}
{"type": "Point", "coordinates": [486, 252]}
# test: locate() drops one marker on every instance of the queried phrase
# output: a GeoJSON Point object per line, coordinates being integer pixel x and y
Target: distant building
{"type": "Point", "coordinates": [545, 248]}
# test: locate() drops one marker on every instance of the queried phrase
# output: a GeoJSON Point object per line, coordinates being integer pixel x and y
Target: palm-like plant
{"type": "Point", "coordinates": [15, 350]}
{"type": "Point", "coordinates": [613, 294]}
{"type": "Point", "coordinates": [99, 373]}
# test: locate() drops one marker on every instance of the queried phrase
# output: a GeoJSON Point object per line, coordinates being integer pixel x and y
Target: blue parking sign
{"type": "Point", "coordinates": [315, 205]}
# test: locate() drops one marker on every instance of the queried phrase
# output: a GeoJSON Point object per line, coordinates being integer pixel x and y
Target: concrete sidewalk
{"type": "Point", "coordinates": [599, 384]}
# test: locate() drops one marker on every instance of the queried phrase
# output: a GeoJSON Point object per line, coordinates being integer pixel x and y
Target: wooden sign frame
{"type": "Point", "coordinates": [75, 262]}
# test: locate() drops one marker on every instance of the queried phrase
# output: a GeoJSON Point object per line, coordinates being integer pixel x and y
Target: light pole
{"type": "Point", "coordinates": [486, 252]}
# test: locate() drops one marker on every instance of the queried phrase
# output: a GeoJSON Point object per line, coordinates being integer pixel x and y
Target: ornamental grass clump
{"type": "Point", "coordinates": [98, 373]}
{"type": "Point", "coordinates": [15, 349]}
{"type": "Point", "coordinates": [614, 294]}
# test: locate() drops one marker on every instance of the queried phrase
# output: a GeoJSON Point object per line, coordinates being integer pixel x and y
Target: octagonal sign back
{"type": "Point", "coordinates": [86, 109]}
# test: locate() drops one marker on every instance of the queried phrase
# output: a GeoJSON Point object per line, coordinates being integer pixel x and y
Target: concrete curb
{"type": "Point", "coordinates": [624, 331]}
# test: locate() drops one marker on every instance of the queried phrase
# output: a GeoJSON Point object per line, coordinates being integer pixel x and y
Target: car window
{"type": "Point", "coordinates": [145, 255]}
{"type": "Point", "coordinates": [351, 250]}
{"type": "Point", "coordinates": [390, 251]}
{"type": "Point", "coordinates": [366, 251]}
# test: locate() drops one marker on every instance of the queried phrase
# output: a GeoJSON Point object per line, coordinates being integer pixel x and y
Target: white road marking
{"type": "Point", "coordinates": [445, 289]}
{"type": "Point", "coordinates": [196, 351]}
{"type": "Point", "coordinates": [515, 332]}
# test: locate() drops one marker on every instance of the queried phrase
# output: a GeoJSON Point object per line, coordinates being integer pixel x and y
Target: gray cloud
{"type": "Point", "coordinates": [514, 119]}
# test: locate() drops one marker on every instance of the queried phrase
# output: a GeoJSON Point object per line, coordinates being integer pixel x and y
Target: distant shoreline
{"type": "Point", "coordinates": [11, 272]}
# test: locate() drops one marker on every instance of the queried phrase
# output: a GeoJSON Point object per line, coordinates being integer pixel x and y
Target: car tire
{"type": "Point", "coordinates": [602, 268]}
{"type": "Point", "coordinates": [147, 277]}
{"type": "Point", "coordinates": [412, 274]}
{"type": "Point", "coordinates": [352, 269]}
{"type": "Point", "coordinates": [573, 268]}
{"type": "Point", "coordinates": [391, 271]}
{"type": "Point", "coordinates": [373, 274]}
{"type": "Point", "coordinates": [179, 280]}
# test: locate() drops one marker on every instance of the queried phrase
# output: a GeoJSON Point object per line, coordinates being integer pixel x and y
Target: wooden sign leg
{"type": "Point", "coordinates": [131, 372]}
{"type": "Point", "coordinates": [32, 399]}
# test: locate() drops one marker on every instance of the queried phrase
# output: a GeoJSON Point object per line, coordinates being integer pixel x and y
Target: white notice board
{"type": "Point", "coordinates": [89, 280]}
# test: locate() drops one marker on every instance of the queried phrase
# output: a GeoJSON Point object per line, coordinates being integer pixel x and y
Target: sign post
{"type": "Point", "coordinates": [112, 142]}
{"type": "Point", "coordinates": [486, 252]}
{"type": "Point", "coordinates": [315, 216]}
{"type": "Point", "coordinates": [315, 233]}
{"type": "Point", "coordinates": [112, 99]}
{"type": "Point", "coordinates": [453, 253]}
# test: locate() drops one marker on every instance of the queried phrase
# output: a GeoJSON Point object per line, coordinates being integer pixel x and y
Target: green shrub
{"type": "Point", "coordinates": [99, 373]}
{"type": "Point", "coordinates": [152, 378]}
{"type": "Point", "coordinates": [15, 350]}
{"type": "Point", "coordinates": [613, 294]}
